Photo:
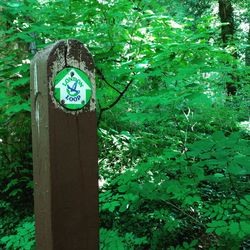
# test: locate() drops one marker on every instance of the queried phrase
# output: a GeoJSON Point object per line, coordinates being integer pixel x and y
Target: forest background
{"type": "Point", "coordinates": [173, 118]}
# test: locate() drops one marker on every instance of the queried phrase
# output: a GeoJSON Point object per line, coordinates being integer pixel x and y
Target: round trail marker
{"type": "Point", "coordinates": [72, 88]}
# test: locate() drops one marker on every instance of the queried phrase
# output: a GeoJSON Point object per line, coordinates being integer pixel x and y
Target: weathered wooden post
{"type": "Point", "coordinates": [64, 148]}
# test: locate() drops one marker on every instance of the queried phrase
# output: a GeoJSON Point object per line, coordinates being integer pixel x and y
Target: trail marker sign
{"type": "Point", "coordinates": [64, 141]}
{"type": "Point", "coordinates": [72, 88]}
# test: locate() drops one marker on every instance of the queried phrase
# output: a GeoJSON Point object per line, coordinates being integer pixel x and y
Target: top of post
{"type": "Point", "coordinates": [70, 75]}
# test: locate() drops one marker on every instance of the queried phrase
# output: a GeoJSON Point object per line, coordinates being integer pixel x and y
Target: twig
{"type": "Point", "coordinates": [182, 211]}
{"type": "Point", "coordinates": [114, 102]}
{"type": "Point", "coordinates": [99, 72]}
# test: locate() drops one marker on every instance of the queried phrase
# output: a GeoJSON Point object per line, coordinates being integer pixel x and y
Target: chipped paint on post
{"type": "Point", "coordinates": [35, 80]}
{"type": "Point", "coordinates": [36, 92]}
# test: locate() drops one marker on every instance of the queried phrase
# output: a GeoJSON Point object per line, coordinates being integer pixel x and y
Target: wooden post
{"type": "Point", "coordinates": [64, 148]}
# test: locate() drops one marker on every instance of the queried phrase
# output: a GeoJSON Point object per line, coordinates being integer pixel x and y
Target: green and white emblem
{"type": "Point", "coordinates": [72, 88]}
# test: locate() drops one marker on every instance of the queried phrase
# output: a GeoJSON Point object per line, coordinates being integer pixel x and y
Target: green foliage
{"type": "Point", "coordinates": [24, 237]}
{"type": "Point", "coordinates": [173, 146]}
{"type": "Point", "coordinates": [204, 187]}
{"type": "Point", "coordinates": [112, 241]}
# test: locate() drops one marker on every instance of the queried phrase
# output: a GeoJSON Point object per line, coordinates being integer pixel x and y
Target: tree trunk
{"type": "Point", "coordinates": [248, 49]}
{"type": "Point", "coordinates": [227, 32]}
{"type": "Point", "coordinates": [226, 16]}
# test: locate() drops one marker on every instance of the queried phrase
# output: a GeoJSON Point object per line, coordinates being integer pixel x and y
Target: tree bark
{"type": "Point", "coordinates": [248, 49]}
{"type": "Point", "coordinates": [226, 16]}
{"type": "Point", "coordinates": [227, 33]}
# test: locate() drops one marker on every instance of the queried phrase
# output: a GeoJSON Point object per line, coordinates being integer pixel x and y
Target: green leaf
{"type": "Point", "coordinates": [240, 208]}
{"type": "Point", "coordinates": [245, 227]}
{"type": "Point", "coordinates": [220, 223]}
{"type": "Point", "coordinates": [218, 175]}
{"type": "Point", "coordinates": [19, 108]}
{"type": "Point", "coordinates": [234, 228]}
